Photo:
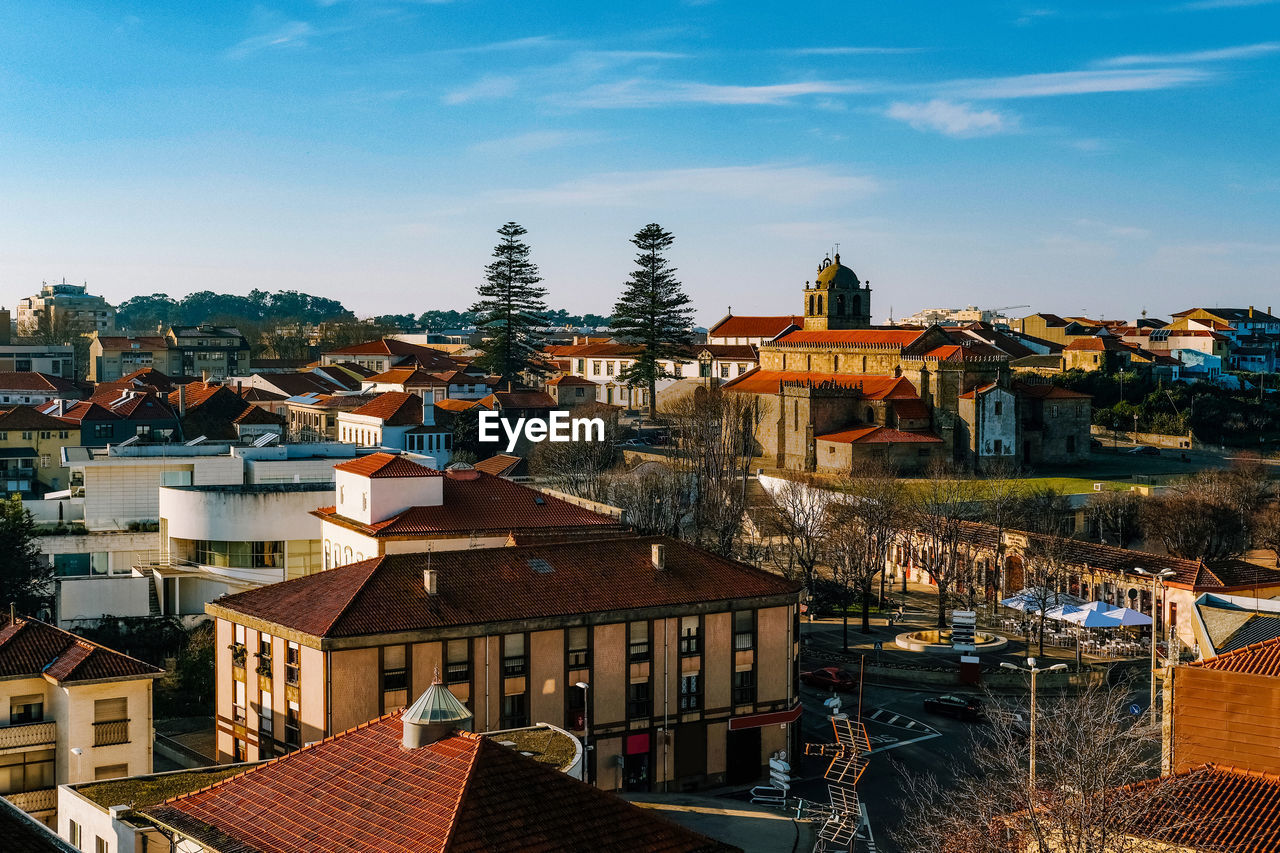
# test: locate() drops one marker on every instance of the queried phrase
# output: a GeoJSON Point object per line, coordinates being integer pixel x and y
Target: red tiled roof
{"type": "Point", "coordinates": [1049, 392]}
{"type": "Point", "coordinates": [853, 337]}
{"type": "Point", "coordinates": [424, 356]}
{"type": "Point", "coordinates": [25, 380]}
{"type": "Point", "coordinates": [963, 352]}
{"type": "Point", "coordinates": [754, 326]}
{"type": "Point", "coordinates": [413, 377]}
{"type": "Point", "coordinates": [737, 352]}
{"type": "Point", "coordinates": [1256, 659]}
{"type": "Point", "coordinates": [519, 400]}
{"type": "Point", "coordinates": [483, 504]}
{"type": "Point", "coordinates": [453, 404]}
{"type": "Point", "coordinates": [879, 435]}
{"type": "Point", "coordinates": [911, 409]}
{"type": "Point", "coordinates": [873, 387]}
{"type": "Point", "coordinates": [394, 408]}
{"type": "Point", "coordinates": [1212, 807]}
{"type": "Point", "coordinates": [377, 465]}
{"type": "Point", "coordinates": [1097, 343]}
{"type": "Point", "coordinates": [499, 464]}
{"type": "Point", "coordinates": [361, 790]}
{"type": "Point", "coordinates": [30, 418]}
{"type": "Point", "coordinates": [31, 648]}
{"type": "Point", "coordinates": [386, 595]}
{"type": "Point", "coordinates": [84, 410]}
{"type": "Point", "coordinates": [112, 343]}
{"type": "Point", "coordinates": [570, 380]}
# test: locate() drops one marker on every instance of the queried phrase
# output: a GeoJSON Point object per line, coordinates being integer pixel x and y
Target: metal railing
{"type": "Point", "coordinates": [28, 734]}
{"type": "Point", "coordinates": [110, 732]}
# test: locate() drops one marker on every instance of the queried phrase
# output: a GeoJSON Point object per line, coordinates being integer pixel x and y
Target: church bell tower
{"type": "Point", "coordinates": [836, 299]}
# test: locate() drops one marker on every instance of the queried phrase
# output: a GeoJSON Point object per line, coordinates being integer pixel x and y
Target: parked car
{"type": "Point", "coordinates": [959, 707]}
{"type": "Point", "coordinates": [632, 442]}
{"type": "Point", "coordinates": [1143, 450]}
{"type": "Point", "coordinates": [831, 678]}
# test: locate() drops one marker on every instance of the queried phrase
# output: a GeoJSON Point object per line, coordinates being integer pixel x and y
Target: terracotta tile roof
{"type": "Point", "coordinates": [386, 594]}
{"type": "Point", "coordinates": [973, 392]}
{"type": "Point", "coordinates": [853, 337]}
{"type": "Point", "coordinates": [31, 648]}
{"type": "Point", "coordinates": [571, 380]}
{"type": "Point", "coordinates": [112, 343]}
{"type": "Point", "coordinates": [84, 410]}
{"type": "Point", "coordinates": [911, 409]}
{"type": "Point", "coordinates": [754, 326]}
{"type": "Point", "coordinates": [485, 504]}
{"type": "Point", "coordinates": [30, 418]}
{"type": "Point", "coordinates": [519, 400]}
{"type": "Point", "coordinates": [1214, 807]}
{"type": "Point", "coordinates": [1258, 659]}
{"type": "Point", "coordinates": [22, 833]}
{"type": "Point", "coordinates": [411, 377]}
{"type": "Point", "coordinates": [362, 791]}
{"type": "Point", "coordinates": [378, 465]}
{"type": "Point", "coordinates": [1098, 343]}
{"type": "Point", "coordinates": [873, 387]}
{"type": "Point", "coordinates": [499, 465]}
{"type": "Point", "coordinates": [452, 404]}
{"type": "Point", "coordinates": [334, 402]}
{"type": "Point", "coordinates": [28, 381]}
{"type": "Point", "coordinates": [293, 384]}
{"type": "Point", "coordinates": [971, 349]}
{"type": "Point", "coordinates": [426, 357]}
{"type": "Point", "coordinates": [1048, 392]}
{"type": "Point", "coordinates": [394, 408]}
{"type": "Point", "coordinates": [879, 435]}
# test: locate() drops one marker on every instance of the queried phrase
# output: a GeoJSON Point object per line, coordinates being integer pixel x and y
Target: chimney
{"type": "Point", "coordinates": [430, 581]}
{"type": "Point", "coordinates": [204, 376]}
{"type": "Point", "coordinates": [239, 388]}
{"type": "Point", "coordinates": [182, 401]}
{"type": "Point", "coordinates": [659, 556]}
{"type": "Point", "coordinates": [1250, 312]}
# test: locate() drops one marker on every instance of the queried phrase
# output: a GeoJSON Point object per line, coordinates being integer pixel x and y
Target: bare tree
{"type": "Point", "coordinates": [1266, 530]}
{"type": "Point", "coordinates": [715, 443]}
{"type": "Point", "coordinates": [579, 467]}
{"type": "Point", "coordinates": [1003, 491]}
{"type": "Point", "coordinates": [863, 528]}
{"type": "Point", "coordinates": [937, 511]}
{"type": "Point", "coordinates": [1115, 513]}
{"type": "Point", "coordinates": [798, 512]}
{"type": "Point", "coordinates": [1097, 787]}
{"type": "Point", "coordinates": [654, 499]}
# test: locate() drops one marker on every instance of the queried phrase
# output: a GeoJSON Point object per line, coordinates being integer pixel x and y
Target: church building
{"type": "Point", "coordinates": [840, 391]}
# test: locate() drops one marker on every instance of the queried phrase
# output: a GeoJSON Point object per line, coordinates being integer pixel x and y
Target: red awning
{"type": "Point", "coordinates": [755, 721]}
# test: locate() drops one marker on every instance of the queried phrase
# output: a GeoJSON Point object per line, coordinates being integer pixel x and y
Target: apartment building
{"type": "Point", "coordinates": [390, 504]}
{"type": "Point", "coordinates": [51, 359]}
{"type": "Point", "coordinates": [398, 420]}
{"type": "Point", "coordinates": [689, 659]}
{"type": "Point", "coordinates": [74, 711]}
{"type": "Point", "coordinates": [203, 351]}
{"type": "Point", "coordinates": [31, 448]}
{"type": "Point", "coordinates": [62, 305]}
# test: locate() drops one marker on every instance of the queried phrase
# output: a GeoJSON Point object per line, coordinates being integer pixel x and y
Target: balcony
{"type": "Point", "coordinates": [110, 732]}
{"type": "Point", "coordinates": [34, 802]}
{"type": "Point", "coordinates": [27, 735]}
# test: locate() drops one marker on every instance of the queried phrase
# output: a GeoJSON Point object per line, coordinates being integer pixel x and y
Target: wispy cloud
{"type": "Point", "coordinates": [487, 88]}
{"type": "Point", "coordinates": [292, 34]}
{"type": "Point", "coordinates": [1030, 16]}
{"type": "Point", "coordinates": [526, 43]}
{"type": "Point", "coordinates": [1077, 83]}
{"type": "Point", "coordinates": [1202, 5]}
{"type": "Point", "coordinates": [538, 140]}
{"type": "Point", "coordinates": [853, 51]}
{"type": "Point", "coordinates": [788, 185]}
{"type": "Point", "coordinates": [653, 93]}
{"type": "Point", "coordinates": [1245, 51]}
{"type": "Point", "coordinates": [951, 118]}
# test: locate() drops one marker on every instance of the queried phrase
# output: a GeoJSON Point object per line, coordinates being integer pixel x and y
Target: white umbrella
{"type": "Point", "coordinates": [1100, 606]}
{"type": "Point", "coordinates": [1061, 612]}
{"type": "Point", "coordinates": [1128, 616]}
{"type": "Point", "coordinates": [1092, 619]}
{"type": "Point", "coordinates": [1021, 601]}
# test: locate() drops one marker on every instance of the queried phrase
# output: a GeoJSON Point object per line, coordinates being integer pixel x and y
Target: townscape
{"type": "Point", "coordinates": [432, 426]}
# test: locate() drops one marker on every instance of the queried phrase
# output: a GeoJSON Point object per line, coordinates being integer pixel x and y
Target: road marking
{"type": "Point", "coordinates": [890, 746]}
{"type": "Point", "coordinates": [893, 721]}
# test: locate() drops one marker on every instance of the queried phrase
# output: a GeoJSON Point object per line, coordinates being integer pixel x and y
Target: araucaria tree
{"type": "Point", "coordinates": [510, 307]}
{"type": "Point", "coordinates": [653, 313]}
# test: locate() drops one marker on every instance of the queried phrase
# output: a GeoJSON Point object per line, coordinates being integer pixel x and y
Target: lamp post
{"type": "Point", "coordinates": [1034, 671]}
{"type": "Point", "coordinates": [586, 730]}
{"type": "Point", "coordinates": [1157, 578]}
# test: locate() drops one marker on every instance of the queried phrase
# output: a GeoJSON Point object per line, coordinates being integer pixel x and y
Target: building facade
{"type": "Point", "coordinates": [68, 306]}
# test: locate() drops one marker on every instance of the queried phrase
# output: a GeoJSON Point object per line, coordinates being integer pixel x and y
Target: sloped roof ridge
{"type": "Point", "coordinates": [1234, 654]}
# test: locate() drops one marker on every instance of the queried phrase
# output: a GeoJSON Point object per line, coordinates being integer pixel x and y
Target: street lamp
{"type": "Point", "coordinates": [1156, 578]}
{"type": "Point", "coordinates": [586, 731]}
{"type": "Point", "coordinates": [1034, 670]}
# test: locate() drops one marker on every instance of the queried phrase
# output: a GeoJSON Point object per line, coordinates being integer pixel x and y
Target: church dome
{"type": "Point", "coordinates": [834, 274]}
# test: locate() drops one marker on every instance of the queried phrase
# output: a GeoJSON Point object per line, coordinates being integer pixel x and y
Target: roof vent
{"type": "Point", "coordinates": [431, 581]}
{"type": "Point", "coordinates": [659, 556]}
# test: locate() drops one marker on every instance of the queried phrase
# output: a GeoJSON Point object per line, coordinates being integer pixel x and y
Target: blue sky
{"type": "Point", "coordinates": [1080, 157]}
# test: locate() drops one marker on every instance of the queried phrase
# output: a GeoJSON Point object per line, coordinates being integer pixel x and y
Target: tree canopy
{"type": "Point", "coordinates": [511, 306]}
{"type": "Point", "coordinates": [157, 310]}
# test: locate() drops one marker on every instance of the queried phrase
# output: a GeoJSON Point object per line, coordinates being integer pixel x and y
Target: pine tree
{"type": "Point", "coordinates": [653, 313]}
{"type": "Point", "coordinates": [510, 307]}
{"type": "Point", "coordinates": [26, 577]}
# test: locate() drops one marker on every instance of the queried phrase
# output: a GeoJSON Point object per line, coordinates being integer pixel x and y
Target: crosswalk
{"type": "Point", "coordinates": [889, 718]}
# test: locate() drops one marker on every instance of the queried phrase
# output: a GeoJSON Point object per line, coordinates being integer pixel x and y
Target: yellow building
{"type": "Point", "coordinates": [689, 659]}
{"type": "Point", "coordinates": [31, 450]}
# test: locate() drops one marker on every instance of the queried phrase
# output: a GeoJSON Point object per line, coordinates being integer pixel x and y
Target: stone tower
{"type": "Point", "coordinates": [836, 299]}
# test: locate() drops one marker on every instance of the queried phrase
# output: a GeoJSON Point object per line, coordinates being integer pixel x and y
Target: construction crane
{"type": "Point", "coordinates": [1005, 308]}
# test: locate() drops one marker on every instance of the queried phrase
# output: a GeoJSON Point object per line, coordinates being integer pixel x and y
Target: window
{"type": "Point", "coordinates": [513, 660]}
{"type": "Point", "coordinates": [238, 701]}
{"type": "Point", "coordinates": [293, 726]}
{"type": "Point", "coordinates": [743, 368]}
{"type": "Point", "coordinates": [724, 371]}
{"type": "Point", "coordinates": [595, 368]}
{"type": "Point", "coordinates": [111, 721]}
{"type": "Point", "coordinates": [458, 662]}
{"type": "Point", "coordinates": [100, 844]}
{"type": "Point", "coordinates": [999, 447]}
{"type": "Point", "coordinates": [74, 834]}
{"type": "Point", "coordinates": [638, 700]}
{"type": "Point", "coordinates": [579, 392]}
{"type": "Point", "coordinates": [690, 692]}
{"type": "Point", "coordinates": [579, 651]}
{"type": "Point", "coordinates": [44, 434]}
{"type": "Point", "coordinates": [266, 717]}
{"type": "Point", "coordinates": [240, 750]}
{"type": "Point", "coordinates": [638, 643]}
{"type": "Point", "coordinates": [63, 434]}
{"type": "Point", "coordinates": [690, 635]}
{"type": "Point", "coordinates": [744, 687]}
{"type": "Point", "coordinates": [999, 408]}
{"type": "Point", "coordinates": [175, 478]}
{"type": "Point", "coordinates": [582, 365]}
{"type": "Point", "coordinates": [102, 430]}
{"type": "Point", "coordinates": [515, 712]}
{"type": "Point", "coordinates": [26, 771]}
{"type": "Point", "coordinates": [293, 664]}
{"type": "Point", "coordinates": [744, 630]}
{"type": "Point", "coordinates": [26, 709]}
{"type": "Point", "coordinates": [110, 771]}
{"type": "Point", "coordinates": [395, 674]}
{"type": "Point", "coordinates": [26, 436]}
{"type": "Point", "coordinates": [610, 366]}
